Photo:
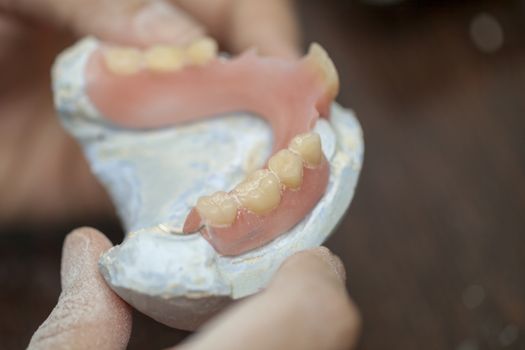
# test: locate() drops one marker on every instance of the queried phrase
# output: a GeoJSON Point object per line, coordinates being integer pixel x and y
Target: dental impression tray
{"type": "Point", "coordinates": [220, 168]}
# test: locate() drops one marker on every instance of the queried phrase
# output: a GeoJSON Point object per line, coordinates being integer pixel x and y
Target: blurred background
{"type": "Point", "coordinates": [434, 242]}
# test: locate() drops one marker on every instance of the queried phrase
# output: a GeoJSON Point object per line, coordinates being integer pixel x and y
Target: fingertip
{"type": "Point", "coordinates": [319, 261]}
{"type": "Point", "coordinates": [335, 262]}
{"type": "Point", "coordinates": [88, 314]}
{"type": "Point", "coordinates": [85, 235]}
{"type": "Point", "coordinates": [81, 250]}
{"type": "Point", "coordinates": [315, 280]}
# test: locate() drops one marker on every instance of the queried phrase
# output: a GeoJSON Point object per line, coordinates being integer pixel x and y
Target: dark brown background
{"type": "Point", "coordinates": [434, 242]}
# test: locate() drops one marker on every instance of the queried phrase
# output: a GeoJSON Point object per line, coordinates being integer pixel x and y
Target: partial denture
{"type": "Point", "coordinates": [288, 166]}
{"type": "Point", "coordinates": [202, 51]}
{"type": "Point", "coordinates": [164, 58]}
{"type": "Point", "coordinates": [160, 58]}
{"type": "Point", "coordinates": [290, 95]}
{"type": "Point", "coordinates": [262, 190]}
{"type": "Point", "coordinates": [320, 61]}
{"type": "Point", "coordinates": [219, 209]}
{"type": "Point", "coordinates": [308, 146]}
{"type": "Point", "coordinates": [123, 61]}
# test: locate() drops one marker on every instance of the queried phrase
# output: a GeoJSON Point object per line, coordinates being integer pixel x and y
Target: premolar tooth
{"type": "Point", "coordinates": [164, 58]}
{"type": "Point", "coordinates": [202, 51]}
{"type": "Point", "coordinates": [123, 60]}
{"type": "Point", "coordinates": [219, 209]}
{"type": "Point", "coordinates": [324, 64]}
{"type": "Point", "coordinates": [260, 192]}
{"type": "Point", "coordinates": [308, 146]}
{"type": "Point", "coordinates": [288, 166]}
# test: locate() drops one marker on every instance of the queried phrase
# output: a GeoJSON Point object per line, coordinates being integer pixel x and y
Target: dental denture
{"type": "Point", "coordinates": [166, 85]}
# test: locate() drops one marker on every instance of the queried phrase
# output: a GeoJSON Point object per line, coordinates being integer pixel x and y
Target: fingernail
{"type": "Point", "coordinates": [162, 22]}
{"type": "Point", "coordinates": [333, 260]}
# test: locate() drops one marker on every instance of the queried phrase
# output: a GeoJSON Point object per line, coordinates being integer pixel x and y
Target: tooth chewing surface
{"type": "Point", "coordinates": [164, 58]}
{"type": "Point", "coordinates": [219, 209]}
{"type": "Point", "coordinates": [202, 51]}
{"type": "Point", "coordinates": [123, 61]}
{"type": "Point", "coordinates": [308, 146]}
{"type": "Point", "coordinates": [260, 192]}
{"type": "Point", "coordinates": [288, 166]}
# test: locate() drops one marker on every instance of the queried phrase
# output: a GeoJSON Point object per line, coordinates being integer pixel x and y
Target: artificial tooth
{"type": "Point", "coordinates": [260, 192]}
{"type": "Point", "coordinates": [324, 64]}
{"type": "Point", "coordinates": [164, 58]}
{"type": "Point", "coordinates": [123, 60]}
{"type": "Point", "coordinates": [202, 51]}
{"type": "Point", "coordinates": [219, 209]}
{"type": "Point", "coordinates": [288, 166]}
{"type": "Point", "coordinates": [308, 146]}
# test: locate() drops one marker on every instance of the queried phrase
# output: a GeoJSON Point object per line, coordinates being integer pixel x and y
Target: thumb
{"type": "Point", "coordinates": [88, 314]}
{"type": "Point", "coordinates": [127, 22]}
{"type": "Point", "coordinates": [305, 307]}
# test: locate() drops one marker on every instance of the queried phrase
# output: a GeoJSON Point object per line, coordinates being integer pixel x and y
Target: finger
{"type": "Point", "coordinates": [88, 314]}
{"type": "Point", "coordinates": [305, 307]}
{"type": "Point", "coordinates": [270, 25]}
{"type": "Point", "coordinates": [128, 22]}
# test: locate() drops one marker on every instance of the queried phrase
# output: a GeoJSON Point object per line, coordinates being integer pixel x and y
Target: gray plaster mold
{"type": "Point", "coordinates": [155, 176]}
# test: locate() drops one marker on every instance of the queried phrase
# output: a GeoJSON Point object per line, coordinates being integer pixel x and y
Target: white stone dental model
{"type": "Point", "coordinates": [213, 198]}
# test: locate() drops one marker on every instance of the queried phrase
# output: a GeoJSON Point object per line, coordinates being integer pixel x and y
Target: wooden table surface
{"type": "Point", "coordinates": [434, 241]}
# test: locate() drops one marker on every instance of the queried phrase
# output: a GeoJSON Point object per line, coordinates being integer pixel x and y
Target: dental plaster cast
{"type": "Point", "coordinates": [220, 168]}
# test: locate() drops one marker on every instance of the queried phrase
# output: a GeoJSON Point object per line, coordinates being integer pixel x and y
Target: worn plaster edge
{"type": "Point", "coordinates": [68, 82]}
{"type": "Point", "coordinates": [179, 312]}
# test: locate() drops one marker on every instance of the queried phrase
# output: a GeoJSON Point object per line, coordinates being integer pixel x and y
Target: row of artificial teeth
{"type": "Point", "coordinates": [261, 191]}
{"type": "Point", "coordinates": [160, 58]}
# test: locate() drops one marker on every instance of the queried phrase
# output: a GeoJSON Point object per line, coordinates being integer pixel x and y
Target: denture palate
{"type": "Point", "coordinates": [165, 85]}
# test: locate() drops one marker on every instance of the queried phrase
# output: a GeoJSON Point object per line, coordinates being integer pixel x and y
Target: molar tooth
{"type": "Point", "coordinates": [260, 192]}
{"type": "Point", "coordinates": [324, 64]}
{"type": "Point", "coordinates": [202, 51]}
{"type": "Point", "coordinates": [123, 60]}
{"type": "Point", "coordinates": [308, 146]}
{"type": "Point", "coordinates": [164, 58]}
{"type": "Point", "coordinates": [219, 209]}
{"type": "Point", "coordinates": [288, 166]}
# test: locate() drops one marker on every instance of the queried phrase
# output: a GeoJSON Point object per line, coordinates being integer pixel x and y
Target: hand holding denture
{"type": "Point", "coordinates": [220, 167]}
{"type": "Point", "coordinates": [213, 198]}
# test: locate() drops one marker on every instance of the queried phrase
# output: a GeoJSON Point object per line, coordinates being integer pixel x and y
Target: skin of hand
{"type": "Point", "coordinates": [305, 307]}
{"type": "Point", "coordinates": [43, 175]}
